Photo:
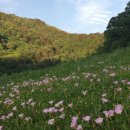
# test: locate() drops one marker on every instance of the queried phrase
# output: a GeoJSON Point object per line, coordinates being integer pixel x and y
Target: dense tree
{"type": "Point", "coordinates": [117, 33]}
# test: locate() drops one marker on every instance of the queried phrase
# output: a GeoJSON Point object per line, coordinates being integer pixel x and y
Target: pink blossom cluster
{"type": "Point", "coordinates": [8, 102]}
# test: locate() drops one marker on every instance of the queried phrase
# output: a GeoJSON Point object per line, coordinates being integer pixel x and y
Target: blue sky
{"type": "Point", "coordinates": [75, 16]}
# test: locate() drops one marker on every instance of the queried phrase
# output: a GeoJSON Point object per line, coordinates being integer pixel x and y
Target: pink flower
{"type": "Point", "coordinates": [74, 122]}
{"type": "Point", "coordinates": [8, 101]}
{"type": "Point", "coordinates": [87, 118]}
{"type": "Point", "coordinates": [1, 127]}
{"type": "Point", "coordinates": [50, 110]}
{"type": "Point", "coordinates": [99, 120]}
{"type": "Point", "coordinates": [128, 83]}
{"type": "Point", "coordinates": [45, 110]}
{"type": "Point", "coordinates": [79, 127]}
{"type": "Point", "coordinates": [51, 122]}
{"type": "Point", "coordinates": [84, 92]}
{"type": "Point", "coordinates": [109, 113]}
{"type": "Point", "coordinates": [119, 109]}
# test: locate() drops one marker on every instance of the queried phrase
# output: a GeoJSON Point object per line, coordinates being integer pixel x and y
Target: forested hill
{"type": "Point", "coordinates": [33, 41]}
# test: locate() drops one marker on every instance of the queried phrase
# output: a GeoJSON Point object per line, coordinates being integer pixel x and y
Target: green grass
{"type": "Point", "coordinates": [70, 91]}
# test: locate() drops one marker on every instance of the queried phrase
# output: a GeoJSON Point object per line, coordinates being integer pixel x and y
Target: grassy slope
{"type": "Point", "coordinates": [68, 90]}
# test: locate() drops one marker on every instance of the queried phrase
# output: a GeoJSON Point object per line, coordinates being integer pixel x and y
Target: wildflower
{"type": "Point", "coordinates": [59, 103]}
{"type": "Point", "coordinates": [21, 116]}
{"type": "Point", "coordinates": [23, 104]}
{"type": "Point", "coordinates": [98, 80]}
{"type": "Point", "coordinates": [49, 89]}
{"type": "Point", "coordinates": [104, 95]}
{"type": "Point", "coordinates": [87, 118]}
{"type": "Point", "coordinates": [74, 122]}
{"type": "Point", "coordinates": [62, 116]}
{"type": "Point", "coordinates": [99, 120]}
{"type": "Point", "coordinates": [109, 113]}
{"type": "Point", "coordinates": [76, 84]}
{"type": "Point", "coordinates": [84, 92]}
{"type": "Point", "coordinates": [30, 101]}
{"type": "Point", "coordinates": [1, 127]}
{"type": "Point", "coordinates": [51, 122]}
{"type": "Point", "coordinates": [32, 104]}
{"type": "Point", "coordinates": [10, 114]}
{"type": "Point", "coordinates": [112, 74]}
{"type": "Point", "coordinates": [61, 110]}
{"type": "Point", "coordinates": [8, 101]}
{"type": "Point", "coordinates": [70, 105]}
{"type": "Point", "coordinates": [3, 118]}
{"type": "Point", "coordinates": [128, 83]}
{"type": "Point", "coordinates": [79, 127]}
{"type": "Point", "coordinates": [119, 109]}
{"type": "Point", "coordinates": [51, 102]}
{"type": "Point", "coordinates": [45, 110]}
{"type": "Point", "coordinates": [118, 89]}
{"type": "Point", "coordinates": [11, 95]}
{"type": "Point", "coordinates": [14, 108]}
{"type": "Point", "coordinates": [50, 110]}
{"type": "Point", "coordinates": [116, 82]}
{"type": "Point", "coordinates": [28, 118]}
{"type": "Point", "coordinates": [16, 91]}
{"type": "Point", "coordinates": [104, 100]}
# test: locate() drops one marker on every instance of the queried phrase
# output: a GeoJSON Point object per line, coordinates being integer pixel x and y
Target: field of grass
{"type": "Point", "coordinates": [70, 96]}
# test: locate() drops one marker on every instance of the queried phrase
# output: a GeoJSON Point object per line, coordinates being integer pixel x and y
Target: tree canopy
{"type": "Point", "coordinates": [117, 33]}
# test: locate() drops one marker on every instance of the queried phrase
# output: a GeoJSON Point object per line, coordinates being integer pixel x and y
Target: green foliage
{"type": "Point", "coordinates": [33, 41]}
{"type": "Point", "coordinates": [117, 33]}
{"type": "Point", "coordinates": [4, 41]}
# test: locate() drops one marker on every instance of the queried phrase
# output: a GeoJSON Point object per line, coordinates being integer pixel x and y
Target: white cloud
{"type": "Point", "coordinates": [93, 13]}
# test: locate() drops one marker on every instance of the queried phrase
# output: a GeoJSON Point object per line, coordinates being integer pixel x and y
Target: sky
{"type": "Point", "coordinates": [74, 16]}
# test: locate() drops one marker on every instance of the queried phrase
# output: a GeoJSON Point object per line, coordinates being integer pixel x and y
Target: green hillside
{"type": "Point", "coordinates": [87, 87]}
{"type": "Point", "coordinates": [33, 41]}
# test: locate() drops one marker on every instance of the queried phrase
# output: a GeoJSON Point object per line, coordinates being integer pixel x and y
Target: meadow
{"type": "Point", "coordinates": [88, 94]}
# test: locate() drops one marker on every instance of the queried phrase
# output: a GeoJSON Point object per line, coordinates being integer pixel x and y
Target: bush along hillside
{"type": "Point", "coordinates": [33, 41]}
{"type": "Point", "coordinates": [88, 94]}
{"type": "Point", "coordinates": [117, 33]}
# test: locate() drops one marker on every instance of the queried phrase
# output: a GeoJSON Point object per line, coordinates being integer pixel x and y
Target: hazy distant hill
{"type": "Point", "coordinates": [32, 40]}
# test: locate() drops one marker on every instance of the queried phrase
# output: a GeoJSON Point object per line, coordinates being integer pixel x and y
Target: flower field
{"type": "Point", "coordinates": [88, 94]}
